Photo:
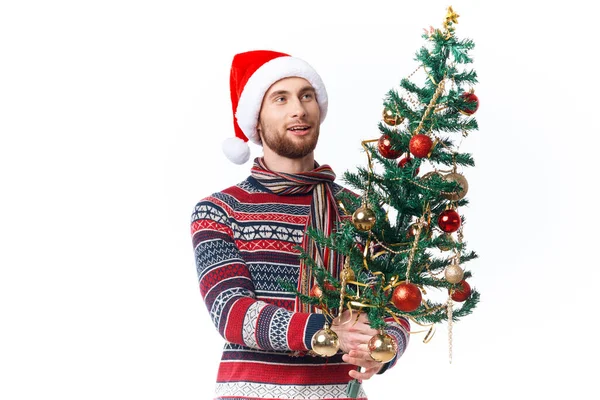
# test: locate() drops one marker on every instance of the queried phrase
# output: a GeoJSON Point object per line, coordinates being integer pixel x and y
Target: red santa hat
{"type": "Point", "coordinates": [252, 74]}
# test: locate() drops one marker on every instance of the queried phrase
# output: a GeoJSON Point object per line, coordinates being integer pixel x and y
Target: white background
{"type": "Point", "coordinates": [112, 115]}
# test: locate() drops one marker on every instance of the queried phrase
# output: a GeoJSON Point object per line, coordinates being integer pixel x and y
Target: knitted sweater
{"type": "Point", "coordinates": [244, 240]}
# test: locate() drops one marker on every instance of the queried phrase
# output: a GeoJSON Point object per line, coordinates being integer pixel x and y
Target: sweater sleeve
{"type": "Point", "coordinates": [400, 332]}
{"type": "Point", "coordinates": [228, 291]}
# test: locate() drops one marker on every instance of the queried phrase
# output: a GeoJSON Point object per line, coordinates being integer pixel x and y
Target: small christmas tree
{"type": "Point", "coordinates": [405, 237]}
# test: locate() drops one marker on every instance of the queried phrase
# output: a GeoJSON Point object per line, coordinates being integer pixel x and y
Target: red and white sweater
{"type": "Point", "coordinates": [244, 240]}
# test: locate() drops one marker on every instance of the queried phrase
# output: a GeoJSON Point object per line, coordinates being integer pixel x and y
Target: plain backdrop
{"type": "Point", "coordinates": [112, 115]}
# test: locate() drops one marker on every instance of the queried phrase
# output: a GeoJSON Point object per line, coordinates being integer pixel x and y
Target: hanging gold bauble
{"type": "Point", "coordinates": [390, 118]}
{"type": "Point", "coordinates": [460, 179]}
{"type": "Point", "coordinates": [382, 347]}
{"type": "Point", "coordinates": [430, 175]}
{"type": "Point", "coordinates": [453, 273]}
{"type": "Point", "coordinates": [446, 243]}
{"type": "Point", "coordinates": [412, 230]}
{"type": "Point", "coordinates": [363, 218]}
{"type": "Point", "coordinates": [325, 342]}
{"type": "Point", "coordinates": [347, 275]}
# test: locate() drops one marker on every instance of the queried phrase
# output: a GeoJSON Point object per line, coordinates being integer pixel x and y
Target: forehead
{"type": "Point", "coordinates": [291, 84]}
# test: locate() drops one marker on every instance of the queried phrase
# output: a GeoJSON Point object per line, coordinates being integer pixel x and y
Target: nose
{"type": "Point", "coordinates": [297, 109]}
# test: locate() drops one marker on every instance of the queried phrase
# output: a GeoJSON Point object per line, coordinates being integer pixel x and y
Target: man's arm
{"type": "Point", "coordinates": [228, 291]}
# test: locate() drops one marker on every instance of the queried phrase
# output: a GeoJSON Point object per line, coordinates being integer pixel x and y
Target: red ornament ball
{"type": "Point", "coordinates": [384, 145]}
{"type": "Point", "coordinates": [420, 145]}
{"type": "Point", "coordinates": [407, 297]}
{"type": "Point", "coordinates": [405, 160]}
{"type": "Point", "coordinates": [462, 292]}
{"type": "Point", "coordinates": [316, 290]}
{"type": "Point", "coordinates": [470, 98]}
{"type": "Point", "coordinates": [449, 221]}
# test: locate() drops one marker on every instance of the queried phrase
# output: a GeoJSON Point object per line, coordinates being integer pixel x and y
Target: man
{"type": "Point", "coordinates": [244, 239]}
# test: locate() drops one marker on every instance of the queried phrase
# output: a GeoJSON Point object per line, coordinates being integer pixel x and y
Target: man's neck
{"type": "Point", "coordinates": [288, 165]}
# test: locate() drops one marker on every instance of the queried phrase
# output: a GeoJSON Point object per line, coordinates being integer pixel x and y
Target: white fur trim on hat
{"type": "Point", "coordinates": [270, 72]}
{"type": "Point", "coordinates": [236, 150]}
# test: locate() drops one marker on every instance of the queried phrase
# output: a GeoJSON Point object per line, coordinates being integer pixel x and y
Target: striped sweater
{"type": "Point", "coordinates": [244, 240]}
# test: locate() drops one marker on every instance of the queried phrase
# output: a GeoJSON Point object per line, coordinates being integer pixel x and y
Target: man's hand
{"type": "Point", "coordinates": [354, 332]}
{"type": "Point", "coordinates": [362, 358]}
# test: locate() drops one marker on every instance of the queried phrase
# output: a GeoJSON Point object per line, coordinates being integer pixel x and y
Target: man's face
{"type": "Point", "coordinates": [289, 118]}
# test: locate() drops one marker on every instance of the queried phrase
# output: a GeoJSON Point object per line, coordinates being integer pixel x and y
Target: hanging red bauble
{"type": "Point", "coordinates": [420, 145]}
{"type": "Point", "coordinates": [405, 160]}
{"type": "Point", "coordinates": [449, 221]}
{"type": "Point", "coordinates": [407, 297]}
{"type": "Point", "coordinates": [470, 97]}
{"type": "Point", "coordinates": [384, 145]}
{"type": "Point", "coordinates": [462, 292]}
{"type": "Point", "coordinates": [316, 290]}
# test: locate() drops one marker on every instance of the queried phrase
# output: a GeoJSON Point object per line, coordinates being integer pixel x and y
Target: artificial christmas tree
{"type": "Point", "coordinates": [405, 233]}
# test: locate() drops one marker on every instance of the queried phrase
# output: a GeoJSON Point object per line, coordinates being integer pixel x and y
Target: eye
{"type": "Point", "coordinates": [279, 99]}
{"type": "Point", "coordinates": [308, 96]}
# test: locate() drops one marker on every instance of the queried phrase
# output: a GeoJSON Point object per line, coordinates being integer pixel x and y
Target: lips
{"type": "Point", "coordinates": [299, 130]}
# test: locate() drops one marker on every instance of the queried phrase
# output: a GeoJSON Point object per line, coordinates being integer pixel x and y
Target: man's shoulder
{"type": "Point", "coordinates": [219, 205]}
{"type": "Point", "coordinates": [235, 193]}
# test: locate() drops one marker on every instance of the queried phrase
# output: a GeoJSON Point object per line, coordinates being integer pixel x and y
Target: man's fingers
{"type": "Point", "coordinates": [359, 359]}
{"type": "Point", "coordinates": [363, 347]}
{"type": "Point", "coordinates": [358, 321]}
{"type": "Point", "coordinates": [362, 376]}
{"type": "Point", "coordinates": [358, 342]}
{"type": "Point", "coordinates": [364, 355]}
{"type": "Point", "coordinates": [362, 352]}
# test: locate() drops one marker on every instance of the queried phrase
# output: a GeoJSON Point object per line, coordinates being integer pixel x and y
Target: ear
{"type": "Point", "coordinates": [259, 132]}
{"type": "Point", "coordinates": [260, 138]}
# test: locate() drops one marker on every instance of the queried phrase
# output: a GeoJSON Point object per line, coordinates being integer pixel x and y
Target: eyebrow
{"type": "Point", "coordinates": [306, 88]}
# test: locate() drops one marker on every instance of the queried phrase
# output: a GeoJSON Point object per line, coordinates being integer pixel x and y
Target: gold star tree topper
{"type": "Point", "coordinates": [451, 18]}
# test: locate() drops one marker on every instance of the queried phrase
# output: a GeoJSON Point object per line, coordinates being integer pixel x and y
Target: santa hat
{"type": "Point", "coordinates": [252, 74]}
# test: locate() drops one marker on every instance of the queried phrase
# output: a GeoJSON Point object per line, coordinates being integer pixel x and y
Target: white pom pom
{"type": "Point", "coordinates": [236, 150]}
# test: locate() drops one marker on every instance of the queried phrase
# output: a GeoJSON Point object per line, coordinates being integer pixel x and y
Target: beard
{"type": "Point", "coordinates": [286, 146]}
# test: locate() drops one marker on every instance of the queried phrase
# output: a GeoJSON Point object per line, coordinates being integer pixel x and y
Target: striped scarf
{"type": "Point", "coordinates": [323, 215]}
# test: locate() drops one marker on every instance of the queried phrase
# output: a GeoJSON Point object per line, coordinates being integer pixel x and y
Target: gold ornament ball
{"type": "Point", "coordinates": [430, 175]}
{"type": "Point", "coordinates": [382, 347]}
{"type": "Point", "coordinates": [411, 232]}
{"type": "Point", "coordinates": [454, 273]}
{"type": "Point", "coordinates": [460, 179]}
{"type": "Point", "coordinates": [363, 218]}
{"type": "Point", "coordinates": [325, 342]}
{"type": "Point", "coordinates": [390, 118]}
{"type": "Point", "coordinates": [447, 242]}
{"type": "Point", "coordinates": [347, 274]}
